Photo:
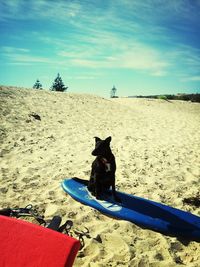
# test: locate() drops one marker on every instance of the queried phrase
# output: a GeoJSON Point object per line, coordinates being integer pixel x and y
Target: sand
{"type": "Point", "coordinates": [157, 148]}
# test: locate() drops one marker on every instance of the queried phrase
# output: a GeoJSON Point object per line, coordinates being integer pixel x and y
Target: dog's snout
{"type": "Point", "coordinates": [93, 153]}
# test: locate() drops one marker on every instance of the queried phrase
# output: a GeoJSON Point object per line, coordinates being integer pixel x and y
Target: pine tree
{"type": "Point", "coordinates": [37, 85]}
{"type": "Point", "coordinates": [58, 84]}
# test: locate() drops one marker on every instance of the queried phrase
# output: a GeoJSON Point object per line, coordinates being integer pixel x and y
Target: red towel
{"type": "Point", "coordinates": [23, 244]}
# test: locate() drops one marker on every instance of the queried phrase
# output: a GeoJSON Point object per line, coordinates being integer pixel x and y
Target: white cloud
{"type": "Point", "coordinates": [109, 50]}
{"type": "Point", "coordinates": [21, 56]}
{"type": "Point", "coordinates": [59, 11]}
{"type": "Point", "coordinates": [28, 58]}
{"type": "Point", "coordinates": [159, 73]}
{"type": "Point", "coordinates": [195, 78]}
{"type": "Point", "coordinates": [11, 49]}
{"type": "Point", "coordinates": [190, 78]}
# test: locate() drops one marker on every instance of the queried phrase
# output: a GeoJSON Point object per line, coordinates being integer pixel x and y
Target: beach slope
{"type": "Point", "coordinates": [48, 136]}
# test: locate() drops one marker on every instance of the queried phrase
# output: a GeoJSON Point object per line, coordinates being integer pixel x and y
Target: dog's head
{"type": "Point", "coordinates": [102, 147]}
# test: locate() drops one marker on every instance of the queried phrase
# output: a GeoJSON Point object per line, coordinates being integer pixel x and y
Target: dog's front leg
{"type": "Point", "coordinates": [98, 186]}
{"type": "Point", "coordinates": [114, 192]}
{"type": "Point", "coordinates": [91, 185]}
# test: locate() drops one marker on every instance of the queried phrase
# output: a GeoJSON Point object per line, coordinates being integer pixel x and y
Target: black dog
{"type": "Point", "coordinates": [103, 169]}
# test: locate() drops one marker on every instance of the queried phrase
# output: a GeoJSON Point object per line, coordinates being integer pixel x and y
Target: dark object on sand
{"type": "Point", "coordinates": [35, 116]}
{"type": "Point", "coordinates": [195, 201]}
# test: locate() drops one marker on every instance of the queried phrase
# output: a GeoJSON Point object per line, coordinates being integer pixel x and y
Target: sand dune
{"type": "Point", "coordinates": [157, 149]}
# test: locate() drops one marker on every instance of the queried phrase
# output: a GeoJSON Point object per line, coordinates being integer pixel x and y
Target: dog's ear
{"type": "Point", "coordinates": [108, 139]}
{"type": "Point", "coordinates": [97, 139]}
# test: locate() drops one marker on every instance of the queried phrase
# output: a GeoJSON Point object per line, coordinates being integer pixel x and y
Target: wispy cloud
{"type": "Point", "coordinates": [190, 78]}
{"type": "Point", "coordinates": [28, 58]}
{"type": "Point", "coordinates": [195, 78]}
{"type": "Point", "coordinates": [135, 58]}
{"type": "Point", "coordinates": [103, 49]}
{"type": "Point", "coordinates": [16, 55]}
{"type": "Point", "coordinates": [10, 49]}
{"type": "Point", "coordinates": [185, 62]}
{"type": "Point", "coordinates": [40, 9]}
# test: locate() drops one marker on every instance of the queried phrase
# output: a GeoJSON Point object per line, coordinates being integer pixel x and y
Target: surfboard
{"type": "Point", "coordinates": [26, 244]}
{"type": "Point", "coordinates": [143, 212]}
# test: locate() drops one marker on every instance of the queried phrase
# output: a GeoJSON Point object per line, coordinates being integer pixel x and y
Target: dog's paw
{"type": "Point", "coordinates": [99, 197]}
{"type": "Point", "coordinates": [117, 199]}
{"type": "Point", "coordinates": [93, 193]}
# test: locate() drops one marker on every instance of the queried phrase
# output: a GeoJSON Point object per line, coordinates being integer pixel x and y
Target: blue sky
{"type": "Point", "coordinates": [142, 47]}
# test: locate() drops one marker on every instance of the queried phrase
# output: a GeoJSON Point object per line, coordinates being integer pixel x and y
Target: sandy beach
{"type": "Point", "coordinates": [157, 148]}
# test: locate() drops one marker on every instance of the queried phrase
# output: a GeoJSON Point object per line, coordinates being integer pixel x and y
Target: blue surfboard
{"type": "Point", "coordinates": [143, 212]}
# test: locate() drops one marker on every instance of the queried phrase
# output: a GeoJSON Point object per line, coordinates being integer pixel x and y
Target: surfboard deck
{"type": "Point", "coordinates": [26, 244]}
{"type": "Point", "coordinates": [143, 212]}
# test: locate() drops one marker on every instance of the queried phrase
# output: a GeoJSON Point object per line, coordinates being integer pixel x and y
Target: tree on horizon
{"type": "Point", "coordinates": [58, 85]}
{"type": "Point", "coordinates": [37, 85]}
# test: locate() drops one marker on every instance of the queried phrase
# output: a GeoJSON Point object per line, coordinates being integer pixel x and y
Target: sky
{"type": "Point", "coordinates": [142, 47]}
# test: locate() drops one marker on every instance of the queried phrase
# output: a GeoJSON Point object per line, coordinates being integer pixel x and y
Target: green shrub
{"type": "Point", "coordinates": [163, 97]}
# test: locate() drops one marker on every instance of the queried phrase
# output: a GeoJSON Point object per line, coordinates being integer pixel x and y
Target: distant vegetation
{"type": "Point", "coordinates": [37, 85]}
{"type": "Point", "coordinates": [184, 97]}
{"type": "Point", "coordinates": [57, 85]}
